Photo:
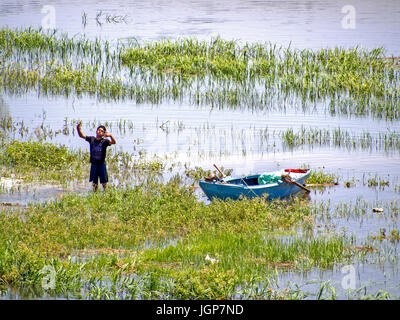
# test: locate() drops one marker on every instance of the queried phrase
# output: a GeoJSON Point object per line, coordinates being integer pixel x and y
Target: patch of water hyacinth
{"type": "Point", "coordinates": [217, 72]}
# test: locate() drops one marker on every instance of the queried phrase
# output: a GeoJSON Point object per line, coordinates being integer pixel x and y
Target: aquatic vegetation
{"type": "Point", "coordinates": [372, 182]}
{"type": "Point", "coordinates": [392, 236]}
{"type": "Point", "coordinates": [36, 154]}
{"type": "Point", "coordinates": [33, 160]}
{"type": "Point", "coordinates": [189, 57]}
{"type": "Point", "coordinates": [218, 73]}
{"type": "Point", "coordinates": [354, 73]}
{"type": "Point", "coordinates": [341, 138]}
{"type": "Point", "coordinates": [322, 178]}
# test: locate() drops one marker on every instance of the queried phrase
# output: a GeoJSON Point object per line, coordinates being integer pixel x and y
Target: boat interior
{"type": "Point", "coordinates": [250, 181]}
{"type": "Point", "coordinates": [253, 180]}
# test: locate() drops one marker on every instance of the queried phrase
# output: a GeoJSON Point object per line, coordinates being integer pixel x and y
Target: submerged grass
{"type": "Point", "coordinates": [328, 73]}
{"type": "Point", "coordinates": [341, 138]}
{"type": "Point", "coordinates": [219, 73]}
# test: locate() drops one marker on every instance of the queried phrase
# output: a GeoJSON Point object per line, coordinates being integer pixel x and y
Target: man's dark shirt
{"type": "Point", "coordinates": [97, 149]}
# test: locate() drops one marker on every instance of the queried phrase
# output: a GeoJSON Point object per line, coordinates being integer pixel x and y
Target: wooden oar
{"type": "Point", "coordinates": [223, 176]}
{"type": "Point", "coordinates": [288, 179]}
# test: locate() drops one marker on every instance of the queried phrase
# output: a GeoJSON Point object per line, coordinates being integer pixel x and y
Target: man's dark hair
{"type": "Point", "coordinates": [103, 127]}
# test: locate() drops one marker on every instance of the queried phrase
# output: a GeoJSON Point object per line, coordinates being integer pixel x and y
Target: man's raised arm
{"type": "Point", "coordinates": [107, 134]}
{"type": "Point", "coordinates": [78, 127]}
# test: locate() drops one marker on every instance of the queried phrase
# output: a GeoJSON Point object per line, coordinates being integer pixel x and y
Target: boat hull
{"type": "Point", "coordinates": [232, 189]}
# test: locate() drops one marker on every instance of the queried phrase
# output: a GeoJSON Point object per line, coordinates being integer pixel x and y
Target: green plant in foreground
{"type": "Point", "coordinates": [240, 234]}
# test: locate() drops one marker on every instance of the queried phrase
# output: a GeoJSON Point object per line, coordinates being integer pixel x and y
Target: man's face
{"type": "Point", "coordinates": [100, 133]}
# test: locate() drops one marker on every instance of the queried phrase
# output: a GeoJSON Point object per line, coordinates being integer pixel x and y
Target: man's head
{"type": "Point", "coordinates": [100, 132]}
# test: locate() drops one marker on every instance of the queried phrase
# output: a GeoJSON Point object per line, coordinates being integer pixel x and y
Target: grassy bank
{"type": "Point", "coordinates": [163, 232]}
{"type": "Point", "coordinates": [154, 240]}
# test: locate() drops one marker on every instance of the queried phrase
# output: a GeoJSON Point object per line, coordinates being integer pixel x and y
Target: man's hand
{"type": "Point", "coordinates": [107, 134]}
{"type": "Point", "coordinates": [78, 128]}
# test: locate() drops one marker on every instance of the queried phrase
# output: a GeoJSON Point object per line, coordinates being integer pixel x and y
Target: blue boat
{"type": "Point", "coordinates": [249, 186]}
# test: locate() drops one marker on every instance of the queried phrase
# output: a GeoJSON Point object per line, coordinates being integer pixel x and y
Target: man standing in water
{"type": "Point", "coordinates": [98, 148]}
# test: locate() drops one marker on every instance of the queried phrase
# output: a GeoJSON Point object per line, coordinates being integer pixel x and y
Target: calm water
{"type": "Point", "coordinates": [235, 139]}
{"type": "Point", "coordinates": [304, 24]}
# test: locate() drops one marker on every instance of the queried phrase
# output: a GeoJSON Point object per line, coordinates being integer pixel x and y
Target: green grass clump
{"type": "Point", "coordinates": [34, 160]}
{"type": "Point", "coordinates": [320, 177]}
{"type": "Point", "coordinates": [45, 162]}
{"type": "Point", "coordinates": [38, 155]}
{"type": "Point", "coordinates": [189, 57]}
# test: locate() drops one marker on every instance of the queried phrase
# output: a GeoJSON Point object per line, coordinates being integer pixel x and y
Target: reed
{"type": "Point", "coordinates": [219, 73]}
{"type": "Point", "coordinates": [341, 138]}
{"type": "Point", "coordinates": [313, 76]}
